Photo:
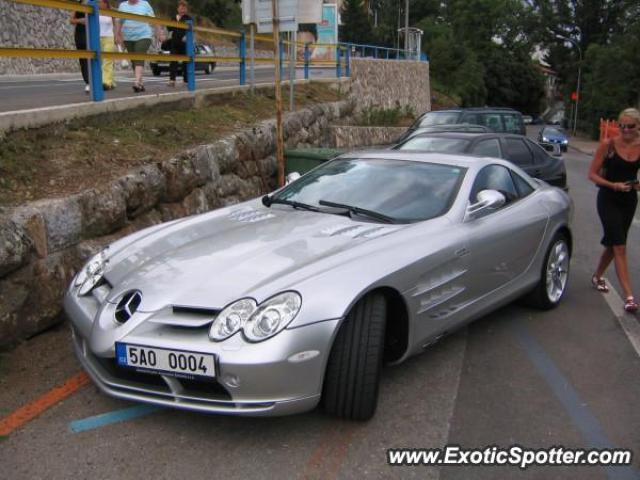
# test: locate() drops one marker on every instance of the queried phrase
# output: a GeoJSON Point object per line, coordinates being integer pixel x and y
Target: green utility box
{"type": "Point", "coordinates": [302, 160]}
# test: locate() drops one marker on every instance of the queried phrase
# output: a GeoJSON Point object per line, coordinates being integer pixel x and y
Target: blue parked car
{"type": "Point", "coordinates": [554, 135]}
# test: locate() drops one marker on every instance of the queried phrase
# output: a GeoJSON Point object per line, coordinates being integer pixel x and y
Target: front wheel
{"type": "Point", "coordinates": [554, 276]}
{"type": "Point", "coordinates": [207, 69]}
{"type": "Point", "coordinates": [353, 371]}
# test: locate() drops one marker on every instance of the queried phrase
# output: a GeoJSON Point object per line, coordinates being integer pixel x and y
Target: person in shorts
{"type": "Point", "coordinates": [137, 36]}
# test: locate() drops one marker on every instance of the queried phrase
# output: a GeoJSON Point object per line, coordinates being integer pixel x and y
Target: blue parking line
{"type": "Point", "coordinates": [116, 416]}
{"type": "Point", "coordinates": [580, 415]}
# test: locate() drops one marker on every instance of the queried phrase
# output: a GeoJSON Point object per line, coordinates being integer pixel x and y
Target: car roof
{"type": "Point", "coordinates": [453, 159]}
{"type": "Point", "coordinates": [465, 135]}
{"type": "Point", "coordinates": [475, 109]}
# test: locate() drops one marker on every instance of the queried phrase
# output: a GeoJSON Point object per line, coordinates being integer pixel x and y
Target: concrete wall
{"type": "Point", "coordinates": [44, 243]}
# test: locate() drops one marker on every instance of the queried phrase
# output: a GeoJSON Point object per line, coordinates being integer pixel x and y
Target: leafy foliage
{"type": "Point", "coordinates": [356, 27]}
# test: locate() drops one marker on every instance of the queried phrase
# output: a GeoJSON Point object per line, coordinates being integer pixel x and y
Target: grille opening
{"type": "Point", "coordinates": [209, 312]}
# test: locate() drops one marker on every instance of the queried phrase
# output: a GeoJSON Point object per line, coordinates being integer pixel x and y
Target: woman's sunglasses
{"type": "Point", "coordinates": [627, 126]}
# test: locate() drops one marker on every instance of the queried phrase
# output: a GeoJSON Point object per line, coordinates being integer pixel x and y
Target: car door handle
{"type": "Point", "coordinates": [461, 252]}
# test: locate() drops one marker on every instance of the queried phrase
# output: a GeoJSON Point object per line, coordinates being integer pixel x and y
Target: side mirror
{"type": "Point", "coordinates": [292, 177]}
{"type": "Point", "coordinates": [552, 148]}
{"type": "Point", "coordinates": [487, 200]}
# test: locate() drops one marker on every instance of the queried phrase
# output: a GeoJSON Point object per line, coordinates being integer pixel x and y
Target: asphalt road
{"type": "Point", "coordinates": [568, 377]}
{"type": "Point", "coordinates": [44, 91]}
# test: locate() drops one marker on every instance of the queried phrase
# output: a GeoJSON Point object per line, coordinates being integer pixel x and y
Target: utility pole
{"type": "Point", "coordinates": [406, 28]}
{"type": "Point", "coordinates": [276, 63]}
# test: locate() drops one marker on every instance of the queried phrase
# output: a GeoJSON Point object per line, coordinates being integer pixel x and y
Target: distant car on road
{"type": "Point", "coordinates": [456, 127]}
{"type": "Point", "coordinates": [521, 151]}
{"type": "Point", "coordinates": [157, 67]}
{"type": "Point", "coordinates": [497, 119]}
{"type": "Point", "coordinates": [554, 135]}
{"type": "Point", "coordinates": [527, 119]}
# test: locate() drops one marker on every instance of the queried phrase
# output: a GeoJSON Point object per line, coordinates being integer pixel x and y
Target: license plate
{"type": "Point", "coordinates": [163, 361]}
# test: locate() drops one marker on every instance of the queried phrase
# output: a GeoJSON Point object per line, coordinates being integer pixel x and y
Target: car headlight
{"type": "Point", "coordinates": [564, 142]}
{"type": "Point", "coordinates": [545, 139]}
{"type": "Point", "coordinates": [232, 319]}
{"type": "Point", "coordinates": [91, 273]}
{"type": "Point", "coordinates": [272, 316]}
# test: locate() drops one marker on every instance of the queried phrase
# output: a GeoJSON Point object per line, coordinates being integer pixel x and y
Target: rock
{"type": "Point", "coordinates": [183, 174]}
{"type": "Point", "coordinates": [15, 246]}
{"type": "Point", "coordinates": [196, 202]}
{"type": "Point", "coordinates": [143, 189]}
{"type": "Point", "coordinates": [63, 221]}
{"type": "Point", "coordinates": [103, 211]}
{"type": "Point", "coordinates": [225, 154]}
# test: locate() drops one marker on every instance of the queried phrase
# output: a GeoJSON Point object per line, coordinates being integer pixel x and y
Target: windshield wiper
{"type": "Point", "coordinates": [267, 201]}
{"type": "Point", "coordinates": [360, 211]}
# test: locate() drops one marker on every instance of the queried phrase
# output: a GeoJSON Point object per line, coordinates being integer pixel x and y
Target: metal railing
{"type": "Point", "coordinates": [93, 53]}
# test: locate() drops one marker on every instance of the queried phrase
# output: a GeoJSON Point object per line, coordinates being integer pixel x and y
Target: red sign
{"type": "Point", "coordinates": [574, 96]}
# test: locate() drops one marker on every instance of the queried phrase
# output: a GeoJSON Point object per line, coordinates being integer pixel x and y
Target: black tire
{"type": "Point", "coordinates": [353, 371]}
{"type": "Point", "coordinates": [156, 71]}
{"type": "Point", "coordinates": [540, 297]}
{"type": "Point", "coordinates": [207, 69]}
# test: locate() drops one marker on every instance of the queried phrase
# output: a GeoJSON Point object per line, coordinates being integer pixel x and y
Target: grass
{"type": "Point", "coordinates": [66, 158]}
{"type": "Point", "coordinates": [386, 117]}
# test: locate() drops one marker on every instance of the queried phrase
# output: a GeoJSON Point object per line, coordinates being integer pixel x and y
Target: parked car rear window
{"type": "Point", "coordinates": [492, 120]}
{"type": "Point", "coordinates": [435, 144]}
{"type": "Point", "coordinates": [439, 118]}
{"type": "Point", "coordinates": [407, 191]}
{"type": "Point", "coordinates": [487, 148]}
{"type": "Point", "coordinates": [517, 152]}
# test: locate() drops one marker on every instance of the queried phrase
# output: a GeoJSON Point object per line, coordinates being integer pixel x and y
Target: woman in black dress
{"type": "Point", "coordinates": [614, 170]}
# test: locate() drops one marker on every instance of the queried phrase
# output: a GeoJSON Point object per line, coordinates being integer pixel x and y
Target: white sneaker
{"type": "Point", "coordinates": [87, 89]}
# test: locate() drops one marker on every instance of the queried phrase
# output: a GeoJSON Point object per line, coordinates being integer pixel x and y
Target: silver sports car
{"type": "Point", "coordinates": [274, 305]}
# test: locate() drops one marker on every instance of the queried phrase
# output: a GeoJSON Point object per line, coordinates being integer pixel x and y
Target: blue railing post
{"type": "Point", "coordinates": [95, 64]}
{"type": "Point", "coordinates": [307, 55]}
{"type": "Point", "coordinates": [338, 65]}
{"type": "Point", "coordinates": [243, 59]}
{"type": "Point", "coordinates": [348, 62]}
{"type": "Point", "coordinates": [191, 65]}
{"type": "Point", "coordinates": [376, 52]}
{"type": "Point", "coordinates": [387, 54]}
{"type": "Point", "coordinates": [281, 58]}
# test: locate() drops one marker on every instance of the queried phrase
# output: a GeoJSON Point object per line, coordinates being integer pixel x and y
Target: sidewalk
{"type": "Point", "coordinates": [583, 144]}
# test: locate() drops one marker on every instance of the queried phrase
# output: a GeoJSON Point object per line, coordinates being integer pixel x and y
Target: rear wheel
{"type": "Point", "coordinates": [207, 69]}
{"type": "Point", "coordinates": [554, 276]}
{"type": "Point", "coordinates": [353, 370]}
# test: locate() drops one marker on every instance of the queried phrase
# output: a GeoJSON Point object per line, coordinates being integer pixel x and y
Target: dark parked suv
{"type": "Point", "coordinates": [502, 120]}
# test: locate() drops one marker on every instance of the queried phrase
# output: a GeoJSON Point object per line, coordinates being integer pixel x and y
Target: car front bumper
{"type": "Point", "coordinates": [253, 379]}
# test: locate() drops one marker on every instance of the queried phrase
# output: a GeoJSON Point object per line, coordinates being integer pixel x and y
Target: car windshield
{"type": "Point", "coordinates": [438, 118]}
{"type": "Point", "coordinates": [435, 144]}
{"type": "Point", "coordinates": [405, 191]}
{"type": "Point", "coordinates": [553, 131]}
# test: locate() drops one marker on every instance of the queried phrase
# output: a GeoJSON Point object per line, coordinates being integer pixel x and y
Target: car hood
{"type": "Point", "coordinates": [213, 259]}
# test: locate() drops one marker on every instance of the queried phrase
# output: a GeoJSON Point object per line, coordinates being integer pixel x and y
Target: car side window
{"type": "Point", "coordinates": [471, 118]}
{"type": "Point", "coordinates": [511, 123]}
{"type": "Point", "coordinates": [493, 121]}
{"type": "Point", "coordinates": [522, 185]}
{"type": "Point", "coordinates": [487, 148]}
{"type": "Point", "coordinates": [540, 156]}
{"type": "Point", "coordinates": [494, 177]}
{"type": "Point", "coordinates": [517, 152]}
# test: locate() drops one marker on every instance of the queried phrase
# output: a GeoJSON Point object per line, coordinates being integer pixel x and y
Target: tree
{"type": "Point", "coordinates": [355, 26]}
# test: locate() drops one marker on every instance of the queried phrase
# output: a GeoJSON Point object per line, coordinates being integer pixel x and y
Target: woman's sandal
{"type": "Point", "coordinates": [630, 305]}
{"type": "Point", "coordinates": [599, 284]}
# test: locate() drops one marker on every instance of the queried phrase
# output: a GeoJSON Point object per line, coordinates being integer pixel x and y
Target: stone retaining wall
{"type": "Point", "coordinates": [390, 84]}
{"type": "Point", "coordinates": [43, 243]}
{"type": "Point", "coordinates": [344, 136]}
